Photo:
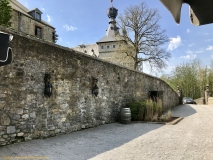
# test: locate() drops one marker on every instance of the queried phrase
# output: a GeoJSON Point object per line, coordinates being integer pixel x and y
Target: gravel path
{"type": "Point", "coordinates": [191, 138]}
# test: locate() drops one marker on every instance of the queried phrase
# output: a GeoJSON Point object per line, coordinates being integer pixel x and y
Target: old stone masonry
{"type": "Point", "coordinates": [26, 113]}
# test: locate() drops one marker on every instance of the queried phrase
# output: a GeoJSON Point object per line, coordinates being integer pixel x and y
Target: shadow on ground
{"type": "Point", "coordinates": [183, 111]}
{"type": "Point", "coordinates": [80, 145]}
{"type": "Point", "coordinates": [87, 143]}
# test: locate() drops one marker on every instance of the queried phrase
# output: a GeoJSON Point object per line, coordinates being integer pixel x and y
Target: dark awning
{"type": "Point", "coordinates": [200, 10]}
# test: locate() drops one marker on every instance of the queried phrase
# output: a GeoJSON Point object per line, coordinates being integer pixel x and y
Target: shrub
{"type": "Point", "coordinates": [137, 110]}
{"type": "Point", "coordinates": [145, 110]}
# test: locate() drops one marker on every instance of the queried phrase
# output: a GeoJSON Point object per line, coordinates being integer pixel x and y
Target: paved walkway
{"type": "Point", "coordinates": [191, 138]}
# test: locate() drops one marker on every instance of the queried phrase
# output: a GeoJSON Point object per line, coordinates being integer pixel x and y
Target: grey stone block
{"type": "Point", "coordinates": [11, 129]}
{"type": "Point", "coordinates": [20, 111]}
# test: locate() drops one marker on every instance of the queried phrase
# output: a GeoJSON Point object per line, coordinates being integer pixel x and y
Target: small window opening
{"type": "Point", "coordinates": [38, 32]}
{"type": "Point", "coordinates": [38, 16]}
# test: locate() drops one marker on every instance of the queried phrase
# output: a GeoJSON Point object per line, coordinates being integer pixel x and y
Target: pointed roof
{"type": "Point", "coordinates": [112, 33]}
{"type": "Point", "coordinates": [36, 9]}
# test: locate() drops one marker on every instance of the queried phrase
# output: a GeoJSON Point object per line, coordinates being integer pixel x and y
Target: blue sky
{"type": "Point", "coordinates": [85, 21]}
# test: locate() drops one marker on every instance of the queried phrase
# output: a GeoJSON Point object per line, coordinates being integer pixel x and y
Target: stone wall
{"type": "Point", "coordinates": [27, 24]}
{"type": "Point", "coordinates": [200, 101]}
{"type": "Point", "coordinates": [25, 113]}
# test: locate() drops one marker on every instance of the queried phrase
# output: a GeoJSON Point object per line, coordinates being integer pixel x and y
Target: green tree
{"type": "Point", "coordinates": [190, 76]}
{"type": "Point", "coordinates": [5, 13]}
{"type": "Point", "coordinates": [141, 30]}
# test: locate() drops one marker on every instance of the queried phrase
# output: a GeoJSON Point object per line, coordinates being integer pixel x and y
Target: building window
{"type": "Point", "coordinates": [38, 32]}
{"type": "Point", "coordinates": [107, 47]}
{"type": "Point", "coordinates": [102, 47]}
{"type": "Point", "coordinates": [38, 16]}
{"type": "Point", "coordinates": [113, 46]}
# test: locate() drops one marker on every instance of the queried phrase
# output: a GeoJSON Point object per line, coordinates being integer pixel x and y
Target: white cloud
{"type": "Point", "coordinates": [209, 48]}
{"type": "Point", "coordinates": [43, 9]}
{"type": "Point", "coordinates": [49, 19]}
{"type": "Point", "coordinates": [190, 45]}
{"type": "Point", "coordinates": [174, 43]}
{"type": "Point", "coordinates": [60, 39]}
{"type": "Point", "coordinates": [69, 28]}
{"type": "Point", "coordinates": [189, 52]}
{"type": "Point", "coordinates": [208, 40]}
{"type": "Point", "coordinates": [199, 51]}
{"type": "Point", "coordinates": [189, 56]}
{"type": "Point", "coordinates": [212, 56]}
{"type": "Point", "coordinates": [188, 31]}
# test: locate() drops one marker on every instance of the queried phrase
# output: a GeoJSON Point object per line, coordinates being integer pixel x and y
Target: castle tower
{"type": "Point", "coordinates": [112, 30]}
{"type": "Point", "coordinates": [111, 47]}
{"type": "Point", "coordinates": [111, 44]}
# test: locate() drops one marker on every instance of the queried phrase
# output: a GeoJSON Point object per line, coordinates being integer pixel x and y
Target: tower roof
{"type": "Point", "coordinates": [112, 33]}
{"type": "Point", "coordinates": [112, 12]}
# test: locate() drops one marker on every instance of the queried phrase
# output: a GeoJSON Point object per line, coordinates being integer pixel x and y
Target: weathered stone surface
{"type": "Point", "coordinates": [2, 140]}
{"type": "Point", "coordinates": [20, 111]}
{"type": "Point", "coordinates": [1, 133]}
{"type": "Point", "coordinates": [2, 128]}
{"type": "Point", "coordinates": [72, 105]}
{"type": "Point", "coordinates": [26, 24]}
{"type": "Point", "coordinates": [5, 136]}
{"type": "Point", "coordinates": [4, 119]}
{"type": "Point", "coordinates": [11, 129]}
{"type": "Point", "coordinates": [33, 115]}
{"type": "Point", "coordinates": [13, 135]}
{"type": "Point", "coordinates": [20, 134]}
{"type": "Point", "coordinates": [27, 138]}
{"type": "Point", "coordinates": [25, 116]}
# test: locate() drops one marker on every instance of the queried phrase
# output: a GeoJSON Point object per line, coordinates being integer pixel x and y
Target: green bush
{"type": "Point", "coordinates": [137, 110]}
{"type": "Point", "coordinates": [145, 110]}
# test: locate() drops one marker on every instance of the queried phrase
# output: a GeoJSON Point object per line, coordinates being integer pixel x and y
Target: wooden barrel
{"type": "Point", "coordinates": [125, 115]}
